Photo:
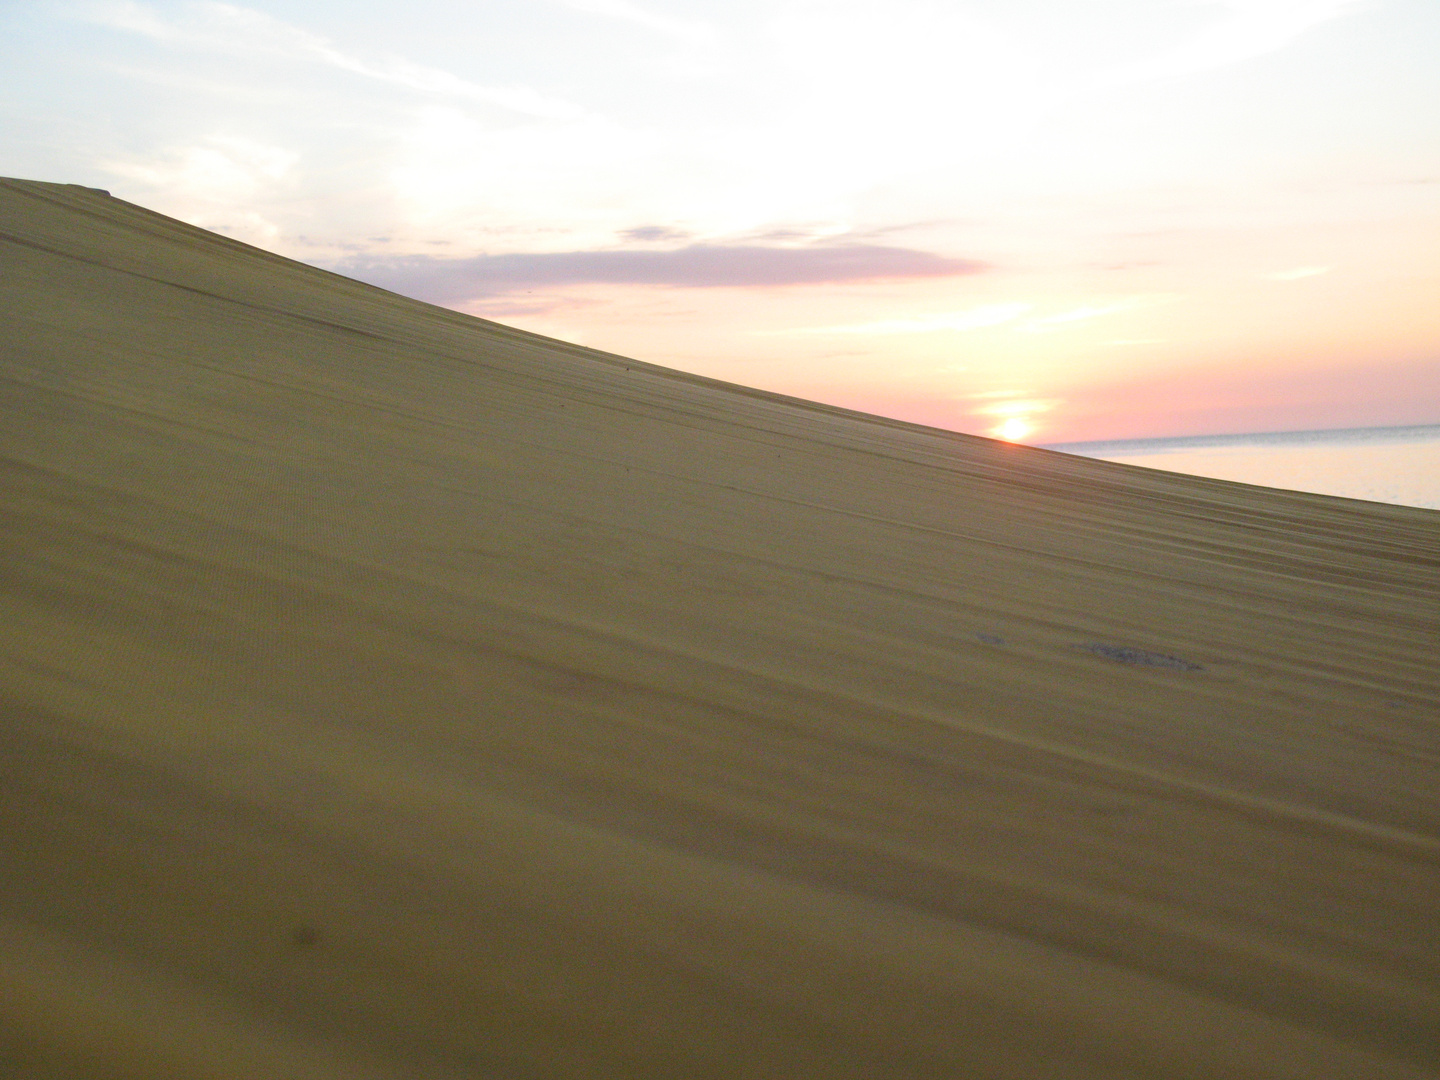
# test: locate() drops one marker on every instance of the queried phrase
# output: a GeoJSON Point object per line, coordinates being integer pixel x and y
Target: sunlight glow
{"type": "Point", "coordinates": [1012, 430]}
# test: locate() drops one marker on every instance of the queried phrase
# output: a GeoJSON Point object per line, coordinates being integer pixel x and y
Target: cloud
{"type": "Point", "coordinates": [1077, 315]}
{"type": "Point", "coordinates": [1023, 408]}
{"type": "Point", "coordinates": [1298, 273]}
{"type": "Point", "coordinates": [974, 318]}
{"type": "Point", "coordinates": [228, 28]}
{"type": "Point", "coordinates": [647, 233]}
{"type": "Point", "coordinates": [1249, 28]}
{"type": "Point", "coordinates": [1089, 311]}
{"type": "Point", "coordinates": [681, 29]}
{"type": "Point", "coordinates": [216, 184]}
{"type": "Point", "coordinates": [223, 168]}
{"type": "Point", "coordinates": [448, 281]}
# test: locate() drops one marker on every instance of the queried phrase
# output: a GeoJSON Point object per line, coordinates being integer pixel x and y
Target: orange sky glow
{"type": "Point", "coordinates": [1040, 221]}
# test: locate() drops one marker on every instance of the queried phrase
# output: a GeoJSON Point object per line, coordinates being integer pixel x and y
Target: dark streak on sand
{"type": "Point", "coordinates": [1125, 654]}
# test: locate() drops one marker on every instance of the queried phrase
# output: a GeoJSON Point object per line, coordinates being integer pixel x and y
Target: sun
{"type": "Point", "coordinates": [1012, 430]}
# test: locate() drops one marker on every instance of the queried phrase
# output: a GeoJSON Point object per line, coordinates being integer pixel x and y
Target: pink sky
{"type": "Point", "coordinates": [1043, 220]}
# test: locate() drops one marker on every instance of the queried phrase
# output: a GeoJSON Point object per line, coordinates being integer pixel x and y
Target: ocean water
{"type": "Point", "coordinates": [1394, 465]}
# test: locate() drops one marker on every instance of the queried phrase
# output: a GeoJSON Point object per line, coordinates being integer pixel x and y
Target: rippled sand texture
{"type": "Point", "coordinates": [388, 693]}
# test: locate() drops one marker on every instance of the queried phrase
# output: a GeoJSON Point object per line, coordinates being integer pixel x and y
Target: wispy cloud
{"type": "Point", "coordinates": [973, 319]}
{"type": "Point", "coordinates": [232, 29]}
{"type": "Point", "coordinates": [1092, 311]}
{"type": "Point", "coordinates": [447, 281]}
{"type": "Point", "coordinates": [1298, 272]}
{"type": "Point", "coordinates": [217, 181]}
{"type": "Point", "coordinates": [1079, 314]}
{"type": "Point", "coordinates": [1249, 28]}
{"type": "Point", "coordinates": [680, 29]}
{"type": "Point", "coordinates": [1024, 407]}
{"type": "Point", "coordinates": [221, 168]}
{"type": "Point", "coordinates": [654, 233]}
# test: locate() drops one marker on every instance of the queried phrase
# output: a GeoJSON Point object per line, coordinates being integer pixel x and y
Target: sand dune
{"type": "Point", "coordinates": [389, 693]}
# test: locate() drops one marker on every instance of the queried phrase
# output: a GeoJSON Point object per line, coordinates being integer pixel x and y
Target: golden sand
{"type": "Point", "coordinates": [389, 693]}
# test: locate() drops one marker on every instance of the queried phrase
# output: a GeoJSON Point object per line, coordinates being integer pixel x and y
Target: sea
{"type": "Point", "coordinates": [1390, 464]}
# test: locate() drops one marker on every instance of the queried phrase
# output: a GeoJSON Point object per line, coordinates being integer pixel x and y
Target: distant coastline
{"type": "Point", "coordinates": [1111, 447]}
{"type": "Point", "coordinates": [1380, 464]}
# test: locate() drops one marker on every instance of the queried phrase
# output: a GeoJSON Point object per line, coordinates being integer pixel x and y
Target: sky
{"type": "Point", "coordinates": [1043, 220]}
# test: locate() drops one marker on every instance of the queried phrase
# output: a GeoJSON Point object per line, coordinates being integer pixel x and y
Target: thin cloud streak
{"type": "Point", "coordinates": [1023, 408]}
{"type": "Point", "coordinates": [1077, 315]}
{"type": "Point", "coordinates": [1252, 28]}
{"type": "Point", "coordinates": [975, 318]}
{"type": "Point", "coordinates": [228, 28]}
{"type": "Point", "coordinates": [448, 281]}
{"type": "Point", "coordinates": [1298, 273]}
{"type": "Point", "coordinates": [1082, 314]}
{"type": "Point", "coordinates": [623, 10]}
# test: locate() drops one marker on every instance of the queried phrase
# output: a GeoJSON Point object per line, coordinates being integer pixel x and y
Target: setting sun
{"type": "Point", "coordinates": [1012, 430]}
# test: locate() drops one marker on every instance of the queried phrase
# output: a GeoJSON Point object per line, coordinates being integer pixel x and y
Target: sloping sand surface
{"type": "Point", "coordinates": [388, 693]}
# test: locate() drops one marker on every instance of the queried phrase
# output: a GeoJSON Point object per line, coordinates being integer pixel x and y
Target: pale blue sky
{"type": "Point", "coordinates": [1033, 216]}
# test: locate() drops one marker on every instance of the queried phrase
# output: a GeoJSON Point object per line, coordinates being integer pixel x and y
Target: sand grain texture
{"type": "Point", "coordinates": [388, 693]}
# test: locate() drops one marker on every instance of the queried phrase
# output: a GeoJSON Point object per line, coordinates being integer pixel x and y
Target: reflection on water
{"type": "Point", "coordinates": [1395, 465]}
